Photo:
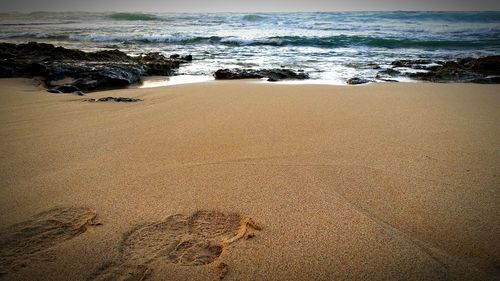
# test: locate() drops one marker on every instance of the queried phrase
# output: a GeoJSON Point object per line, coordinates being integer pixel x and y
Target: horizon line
{"type": "Point", "coordinates": [240, 12]}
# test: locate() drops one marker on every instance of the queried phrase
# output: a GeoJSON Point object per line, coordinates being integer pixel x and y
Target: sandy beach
{"type": "Point", "coordinates": [241, 180]}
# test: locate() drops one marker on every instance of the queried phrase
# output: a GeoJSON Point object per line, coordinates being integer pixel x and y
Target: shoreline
{"type": "Point", "coordinates": [326, 46]}
{"type": "Point", "coordinates": [166, 81]}
{"type": "Point", "coordinates": [377, 182]}
{"type": "Point", "coordinates": [74, 71]}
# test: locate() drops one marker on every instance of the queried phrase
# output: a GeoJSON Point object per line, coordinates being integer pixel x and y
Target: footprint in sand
{"type": "Point", "coordinates": [121, 272]}
{"type": "Point", "coordinates": [197, 239]}
{"type": "Point", "coordinates": [31, 240]}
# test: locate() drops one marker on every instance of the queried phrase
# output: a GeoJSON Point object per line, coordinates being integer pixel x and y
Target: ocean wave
{"type": "Point", "coordinates": [339, 41]}
{"type": "Point", "coordinates": [36, 23]}
{"type": "Point", "coordinates": [351, 41]}
{"type": "Point", "coordinates": [147, 38]}
{"type": "Point", "coordinates": [342, 41]}
{"type": "Point", "coordinates": [34, 35]}
{"type": "Point", "coordinates": [253, 17]}
{"type": "Point", "coordinates": [75, 15]}
{"type": "Point", "coordinates": [133, 16]}
{"type": "Point", "coordinates": [485, 16]}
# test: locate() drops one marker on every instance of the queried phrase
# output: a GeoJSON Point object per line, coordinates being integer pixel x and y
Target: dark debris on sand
{"type": "Point", "coordinates": [115, 99]}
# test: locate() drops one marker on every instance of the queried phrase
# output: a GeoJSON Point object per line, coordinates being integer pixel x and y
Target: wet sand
{"type": "Point", "coordinates": [251, 181]}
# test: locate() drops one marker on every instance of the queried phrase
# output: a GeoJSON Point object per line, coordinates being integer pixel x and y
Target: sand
{"type": "Point", "coordinates": [251, 181]}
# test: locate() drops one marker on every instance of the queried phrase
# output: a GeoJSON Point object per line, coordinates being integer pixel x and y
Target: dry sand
{"type": "Point", "coordinates": [376, 182]}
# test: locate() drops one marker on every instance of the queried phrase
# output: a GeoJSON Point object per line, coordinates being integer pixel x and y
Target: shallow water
{"type": "Point", "coordinates": [160, 81]}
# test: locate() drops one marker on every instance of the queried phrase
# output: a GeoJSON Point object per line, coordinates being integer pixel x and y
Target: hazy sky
{"type": "Point", "coordinates": [245, 6]}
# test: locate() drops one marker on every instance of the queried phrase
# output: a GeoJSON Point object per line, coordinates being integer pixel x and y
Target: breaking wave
{"type": "Point", "coordinates": [133, 16]}
{"type": "Point", "coordinates": [339, 41]}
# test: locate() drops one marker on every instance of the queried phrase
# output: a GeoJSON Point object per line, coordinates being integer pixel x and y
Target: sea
{"type": "Point", "coordinates": [330, 46]}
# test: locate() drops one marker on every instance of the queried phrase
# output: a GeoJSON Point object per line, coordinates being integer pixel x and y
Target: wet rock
{"type": "Point", "coordinates": [158, 64]}
{"type": "Point", "coordinates": [54, 91]}
{"type": "Point", "coordinates": [109, 76]}
{"type": "Point", "coordinates": [357, 81]}
{"type": "Point", "coordinates": [38, 52]}
{"type": "Point", "coordinates": [90, 76]}
{"type": "Point", "coordinates": [67, 89]}
{"type": "Point", "coordinates": [115, 99]}
{"type": "Point", "coordinates": [162, 68]}
{"type": "Point", "coordinates": [363, 65]}
{"type": "Point", "coordinates": [277, 74]}
{"type": "Point", "coordinates": [90, 71]}
{"type": "Point", "coordinates": [109, 55]}
{"type": "Point", "coordinates": [484, 70]}
{"type": "Point", "coordinates": [409, 63]}
{"type": "Point", "coordinates": [388, 72]}
{"type": "Point", "coordinates": [80, 93]}
{"type": "Point", "coordinates": [485, 65]}
{"type": "Point", "coordinates": [230, 74]}
{"type": "Point", "coordinates": [282, 74]}
{"type": "Point", "coordinates": [373, 65]}
{"type": "Point", "coordinates": [486, 80]}
{"type": "Point", "coordinates": [389, 80]}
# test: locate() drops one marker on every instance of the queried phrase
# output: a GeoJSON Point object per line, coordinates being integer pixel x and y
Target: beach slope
{"type": "Point", "coordinates": [251, 181]}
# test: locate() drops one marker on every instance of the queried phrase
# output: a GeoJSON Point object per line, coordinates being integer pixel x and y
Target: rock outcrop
{"type": "Point", "coordinates": [469, 70]}
{"type": "Point", "coordinates": [358, 81]}
{"type": "Point", "coordinates": [88, 71]}
{"type": "Point", "coordinates": [271, 74]}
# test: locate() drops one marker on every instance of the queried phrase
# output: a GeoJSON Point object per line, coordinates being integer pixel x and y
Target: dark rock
{"type": "Point", "coordinates": [357, 81]}
{"type": "Point", "coordinates": [230, 74]}
{"type": "Point", "coordinates": [373, 65]}
{"type": "Point", "coordinates": [363, 65]}
{"type": "Point", "coordinates": [154, 56]}
{"type": "Point", "coordinates": [282, 74]}
{"type": "Point", "coordinates": [35, 69]}
{"type": "Point", "coordinates": [109, 55]}
{"type": "Point", "coordinates": [158, 64]}
{"type": "Point", "coordinates": [38, 52]}
{"type": "Point", "coordinates": [272, 74]}
{"type": "Point", "coordinates": [184, 58]}
{"type": "Point", "coordinates": [67, 89]}
{"type": "Point", "coordinates": [162, 68]}
{"type": "Point", "coordinates": [120, 99]}
{"type": "Point", "coordinates": [115, 99]}
{"type": "Point", "coordinates": [80, 93]}
{"type": "Point", "coordinates": [54, 91]}
{"type": "Point", "coordinates": [487, 80]}
{"type": "Point", "coordinates": [388, 72]}
{"type": "Point", "coordinates": [409, 63]}
{"type": "Point", "coordinates": [485, 65]}
{"type": "Point", "coordinates": [481, 70]}
{"type": "Point", "coordinates": [90, 71]}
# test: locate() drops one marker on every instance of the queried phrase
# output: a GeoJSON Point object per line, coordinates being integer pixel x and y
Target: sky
{"type": "Point", "coordinates": [247, 6]}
